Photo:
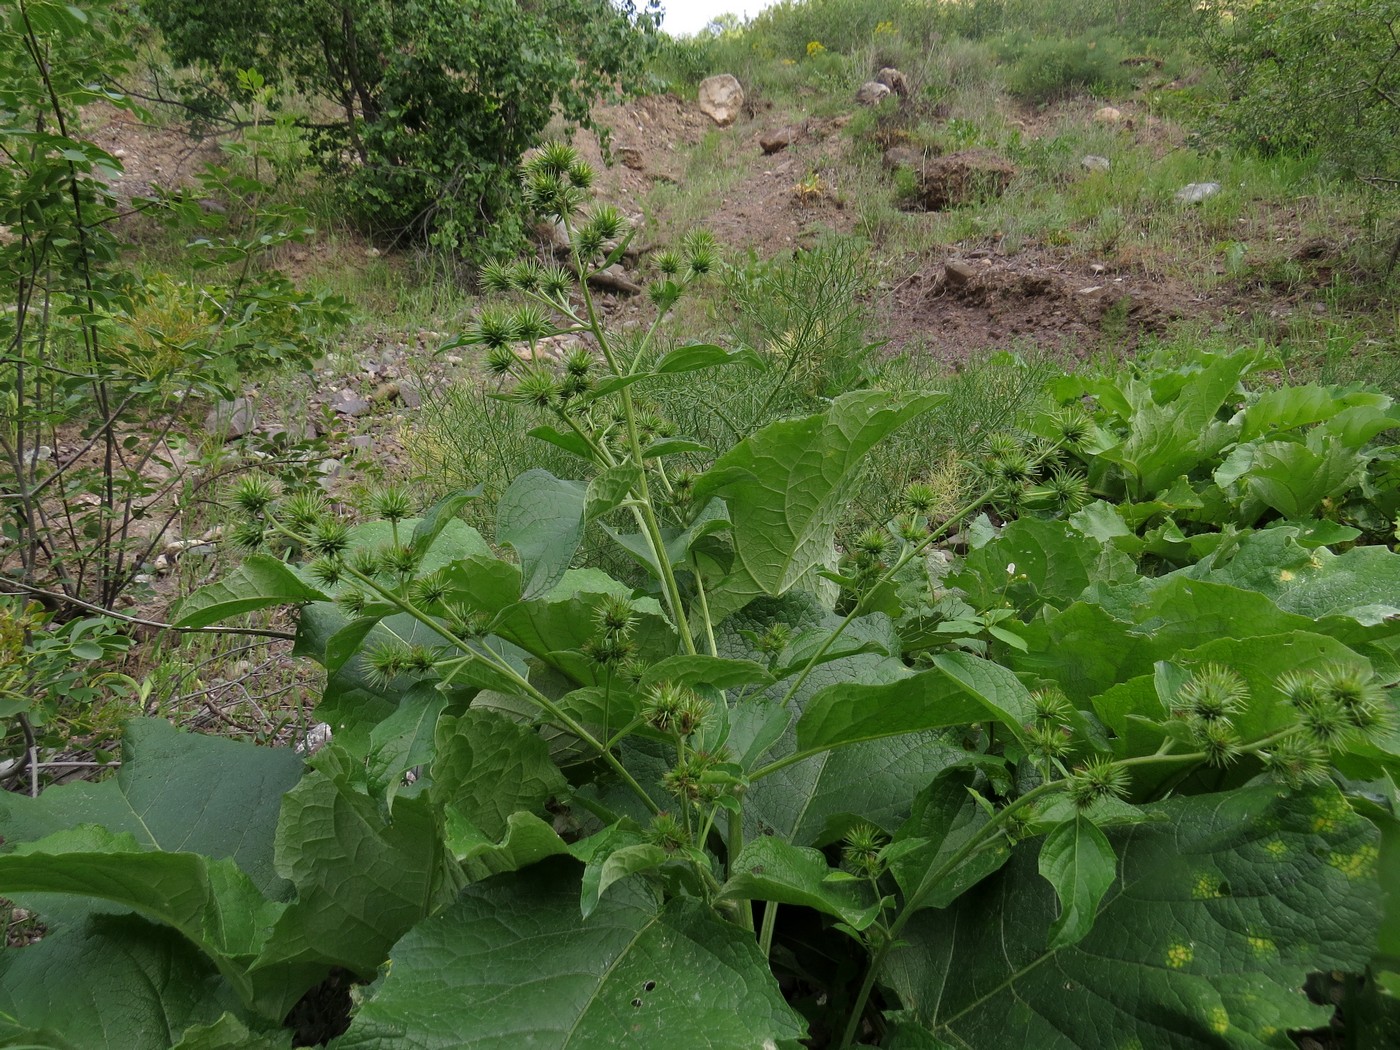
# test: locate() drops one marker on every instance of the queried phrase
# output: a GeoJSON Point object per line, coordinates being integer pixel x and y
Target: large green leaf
{"type": "Point", "coordinates": [211, 902]}
{"type": "Point", "coordinates": [1219, 913]}
{"type": "Point", "coordinates": [1077, 860]}
{"type": "Point", "coordinates": [1362, 584]}
{"type": "Point", "coordinates": [260, 582]}
{"type": "Point", "coordinates": [488, 766]}
{"type": "Point", "coordinates": [541, 516]}
{"type": "Point", "coordinates": [1173, 428]}
{"type": "Point", "coordinates": [361, 881]}
{"type": "Point", "coordinates": [513, 963]}
{"type": "Point", "coordinates": [405, 739]}
{"type": "Point", "coordinates": [944, 819]}
{"type": "Point", "coordinates": [768, 869]}
{"type": "Point", "coordinates": [528, 840]}
{"type": "Point", "coordinates": [961, 689]}
{"type": "Point", "coordinates": [100, 980]}
{"type": "Point", "coordinates": [1034, 562]}
{"type": "Point", "coordinates": [785, 486]}
{"type": "Point", "coordinates": [1293, 478]}
{"type": "Point", "coordinates": [178, 792]}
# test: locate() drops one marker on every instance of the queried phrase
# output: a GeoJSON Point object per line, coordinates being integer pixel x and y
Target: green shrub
{"type": "Point", "coordinates": [1047, 69]}
{"type": "Point", "coordinates": [1305, 76]}
{"type": "Point", "coordinates": [438, 101]}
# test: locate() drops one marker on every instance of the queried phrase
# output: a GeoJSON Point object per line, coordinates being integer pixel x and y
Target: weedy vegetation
{"type": "Point", "coordinates": [760, 690]}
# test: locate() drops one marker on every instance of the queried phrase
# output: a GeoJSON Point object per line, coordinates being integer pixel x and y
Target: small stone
{"type": "Point", "coordinates": [317, 737]}
{"type": "Point", "coordinates": [361, 442]}
{"type": "Point", "coordinates": [781, 139]}
{"type": "Point", "coordinates": [410, 396]}
{"type": "Point", "coordinates": [871, 92]}
{"type": "Point", "coordinates": [38, 455]}
{"type": "Point", "coordinates": [631, 157]}
{"type": "Point", "coordinates": [384, 393]}
{"type": "Point", "coordinates": [1195, 192]}
{"type": "Point", "coordinates": [348, 404]}
{"type": "Point", "coordinates": [330, 468]}
{"type": "Point", "coordinates": [1093, 162]}
{"type": "Point", "coordinates": [143, 577]}
{"type": "Point", "coordinates": [162, 564]}
{"type": "Point", "coordinates": [958, 273]}
{"type": "Point", "coordinates": [232, 419]}
{"type": "Point", "coordinates": [1108, 115]}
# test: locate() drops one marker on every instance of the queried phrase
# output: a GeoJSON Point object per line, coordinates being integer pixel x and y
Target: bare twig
{"type": "Point", "coordinates": [258, 632]}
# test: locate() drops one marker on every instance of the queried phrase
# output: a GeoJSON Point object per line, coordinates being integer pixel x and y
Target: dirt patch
{"type": "Point", "coordinates": [954, 306]}
{"type": "Point", "coordinates": [151, 156]}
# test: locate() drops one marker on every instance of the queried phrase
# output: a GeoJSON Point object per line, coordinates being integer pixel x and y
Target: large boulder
{"type": "Point", "coordinates": [960, 178]}
{"type": "Point", "coordinates": [721, 99]}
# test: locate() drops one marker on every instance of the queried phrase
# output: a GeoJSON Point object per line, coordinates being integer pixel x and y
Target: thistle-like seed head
{"type": "Point", "coordinates": [1100, 779]}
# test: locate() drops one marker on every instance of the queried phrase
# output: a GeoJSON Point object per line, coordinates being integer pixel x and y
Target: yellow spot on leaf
{"type": "Point", "coordinates": [1358, 865]}
{"type": "Point", "coordinates": [1330, 813]}
{"type": "Point", "coordinates": [1219, 1019]}
{"type": "Point", "coordinates": [1284, 576]}
{"type": "Point", "coordinates": [1262, 945]}
{"type": "Point", "coordinates": [1206, 888]}
{"type": "Point", "coordinates": [1178, 955]}
{"type": "Point", "coordinates": [1276, 848]}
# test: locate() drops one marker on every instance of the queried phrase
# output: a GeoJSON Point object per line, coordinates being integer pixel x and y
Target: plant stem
{"type": "Point", "coordinates": [734, 846]}
{"type": "Point", "coordinates": [765, 935]}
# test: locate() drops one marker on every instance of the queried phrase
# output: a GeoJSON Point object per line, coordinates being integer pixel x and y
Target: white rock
{"type": "Point", "coordinates": [1195, 192]}
{"type": "Point", "coordinates": [721, 98]}
{"type": "Point", "coordinates": [871, 92]}
{"type": "Point", "coordinates": [1093, 162]}
{"type": "Point", "coordinates": [1108, 115]}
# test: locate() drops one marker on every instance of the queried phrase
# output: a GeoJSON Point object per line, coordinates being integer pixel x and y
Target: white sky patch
{"type": "Point", "coordinates": [685, 17]}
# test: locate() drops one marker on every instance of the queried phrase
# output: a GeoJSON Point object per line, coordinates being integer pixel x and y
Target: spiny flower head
{"type": "Point", "coordinates": [1102, 778]}
{"type": "Point", "coordinates": [254, 494]}
{"type": "Point", "coordinates": [1213, 693]}
{"type": "Point", "coordinates": [860, 851]}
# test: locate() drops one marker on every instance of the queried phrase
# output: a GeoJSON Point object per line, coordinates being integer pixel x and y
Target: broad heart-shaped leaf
{"type": "Point", "coordinates": [960, 689]}
{"type": "Point", "coordinates": [702, 355]}
{"type": "Point", "coordinates": [213, 903]}
{"type": "Point", "coordinates": [944, 819]}
{"type": "Point", "coordinates": [488, 766]}
{"type": "Point", "coordinates": [1362, 583]}
{"type": "Point", "coordinates": [1173, 429]}
{"type": "Point", "coordinates": [607, 491]}
{"type": "Point", "coordinates": [361, 882]}
{"type": "Point", "coordinates": [541, 516]}
{"type": "Point", "coordinates": [513, 964]}
{"type": "Point", "coordinates": [1077, 860]}
{"type": "Point", "coordinates": [784, 487]}
{"type": "Point", "coordinates": [404, 739]}
{"type": "Point", "coordinates": [1034, 562]}
{"type": "Point", "coordinates": [439, 517]}
{"type": "Point", "coordinates": [1293, 478]}
{"type": "Point", "coordinates": [1220, 911]}
{"type": "Point", "coordinates": [229, 1033]}
{"type": "Point", "coordinates": [177, 792]}
{"type": "Point", "coordinates": [260, 582]}
{"type": "Point", "coordinates": [768, 869]}
{"type": "Point", "coordinates": [102, 980]}
{"type": "Point", "coordinates": [528, 840]}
